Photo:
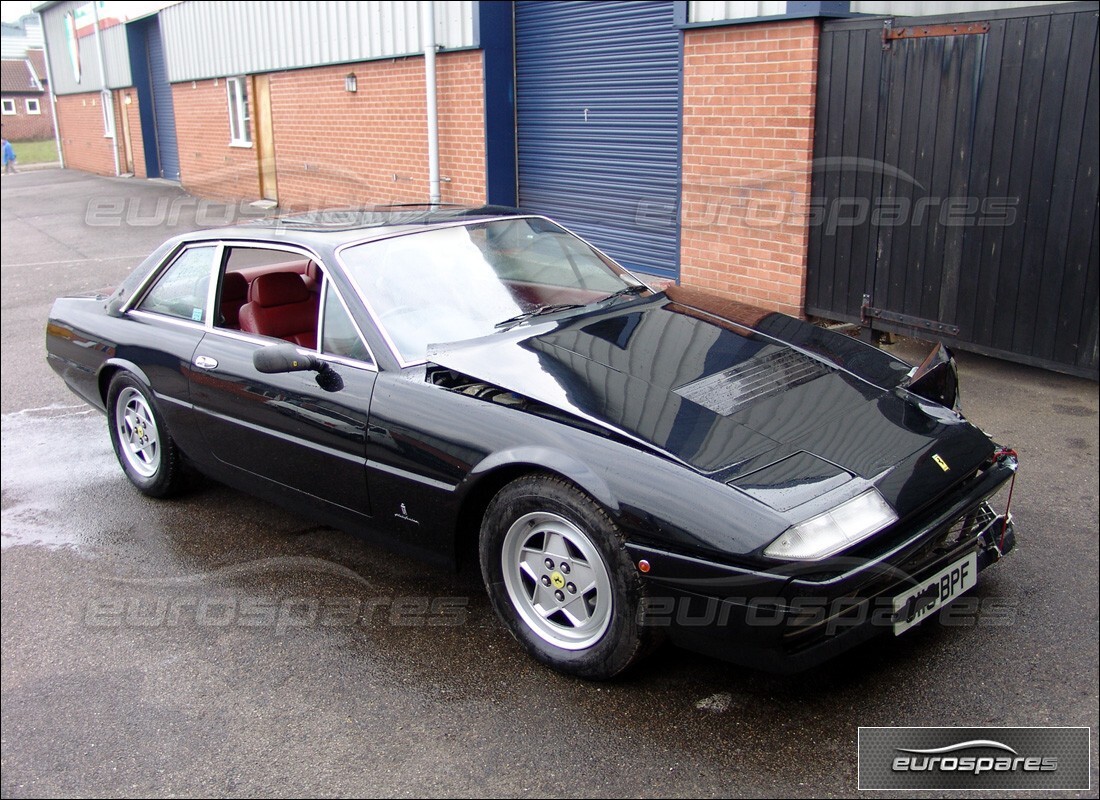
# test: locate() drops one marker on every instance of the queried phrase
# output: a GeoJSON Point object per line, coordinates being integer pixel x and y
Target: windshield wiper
{"type": "Point", "coordinates": [552, 308]}
{"type": "Point", "coordinates": [636, 288]}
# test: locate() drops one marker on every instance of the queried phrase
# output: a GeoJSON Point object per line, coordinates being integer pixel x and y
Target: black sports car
{"type": "Point", "coordinates": [630, 465]}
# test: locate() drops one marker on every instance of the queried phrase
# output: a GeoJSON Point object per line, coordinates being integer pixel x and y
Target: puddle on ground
{"type": "Point", "coordinates": [52, 456]}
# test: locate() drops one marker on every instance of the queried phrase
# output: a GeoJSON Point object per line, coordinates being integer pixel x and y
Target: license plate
{"type": "Point", "coordinates": [915, 605]}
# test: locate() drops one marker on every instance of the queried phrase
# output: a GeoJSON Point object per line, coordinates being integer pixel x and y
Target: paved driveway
{"type": "Point", "coordinates": [214, 645]}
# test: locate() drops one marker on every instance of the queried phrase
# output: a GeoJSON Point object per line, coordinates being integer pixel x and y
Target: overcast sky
{"type": "Point", "coordinates": [13, 10]}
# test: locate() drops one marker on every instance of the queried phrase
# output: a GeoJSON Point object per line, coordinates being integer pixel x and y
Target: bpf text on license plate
{"type": "Point", "coordinates": [914, 605]}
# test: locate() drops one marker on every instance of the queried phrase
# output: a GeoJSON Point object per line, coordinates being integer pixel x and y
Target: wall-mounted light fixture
{"type": "Point", "coordinates": [350, 83]}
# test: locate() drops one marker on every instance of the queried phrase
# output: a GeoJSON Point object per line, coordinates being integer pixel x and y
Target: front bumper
{"type": "Point", "coordinates": [794, 617]}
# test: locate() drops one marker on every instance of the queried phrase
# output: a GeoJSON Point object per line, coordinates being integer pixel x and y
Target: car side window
{"type": "Point", "coordinates": [183, 289]}
{"type": "Point", "coordinates": [339, 336]}
{"type": "Point", "coordinates": [268, 291]}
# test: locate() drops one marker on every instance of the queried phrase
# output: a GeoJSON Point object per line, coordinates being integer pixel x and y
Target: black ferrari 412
{"type": "Point", "coordinates": [630, 465]}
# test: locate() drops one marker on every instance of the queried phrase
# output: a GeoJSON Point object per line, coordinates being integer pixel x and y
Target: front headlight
{"type": "Point", "coordinates": [830, 532]}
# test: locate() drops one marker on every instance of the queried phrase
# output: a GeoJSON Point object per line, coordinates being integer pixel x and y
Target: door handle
{"type": "Point", "coordinates": [205, 362]}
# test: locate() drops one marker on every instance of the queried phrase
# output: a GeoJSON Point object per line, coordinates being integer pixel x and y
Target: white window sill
{"type": "Point", "coordinates": [242, 145]}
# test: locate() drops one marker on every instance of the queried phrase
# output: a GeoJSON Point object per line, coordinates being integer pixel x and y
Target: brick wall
{"type": "Point", "coordinates": [24, 127]}
{"type": "Point", "coordinates": [80, 118]}
{"type": "Point", "coordinates": [209, 166]}
{"type": "Point", "coordinates": [333, 147]}
{"type": "Point", "coordinates": [747, 152]}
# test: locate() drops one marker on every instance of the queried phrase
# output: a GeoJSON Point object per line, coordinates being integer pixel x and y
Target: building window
{"type": "Point", "coordinates": [9, 106]}
{"type": "Point", "coordinates": [108, 105]}
{"type": "Point", "coordinates": [240, 128]}
{"type": "Point", "coordinates": [32, 106]}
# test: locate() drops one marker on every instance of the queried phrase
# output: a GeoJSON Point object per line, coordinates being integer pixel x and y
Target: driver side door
{"type": "Point", "coordinates": [284, 429]}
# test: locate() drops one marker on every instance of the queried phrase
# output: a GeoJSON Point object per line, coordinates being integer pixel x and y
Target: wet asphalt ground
{"type": "Point", "coordinates": [214, 645]}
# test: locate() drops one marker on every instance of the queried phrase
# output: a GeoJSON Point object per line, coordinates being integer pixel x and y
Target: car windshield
{"type": "Point", "coordinates": [457, 283]}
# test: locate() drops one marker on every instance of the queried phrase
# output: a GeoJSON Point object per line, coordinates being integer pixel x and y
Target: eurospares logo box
{"type": "Point", "coordinates": [974, 758]}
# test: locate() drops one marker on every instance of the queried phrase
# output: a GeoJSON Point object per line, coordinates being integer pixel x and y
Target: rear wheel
{"type": "Point", "coordinates": [559, 577]}
{"type": "Point", "coordinates": [141, 441]}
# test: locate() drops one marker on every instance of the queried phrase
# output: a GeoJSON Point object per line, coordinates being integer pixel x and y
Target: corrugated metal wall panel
{"type": "Point", "coordinates": [598, 124]}
{"type": "Point", "coordinates": [717, 10]}
{"type": "Point", "coordinates": [919, 8]}
{"type": "Point", "coordinates": [16, 45]}
{"type": "Point", "coordinates": [64, 82]}
{"type": "Point", "coordinates": [215, 39]}
{"type": "Point", "coordinates": [116, 55]}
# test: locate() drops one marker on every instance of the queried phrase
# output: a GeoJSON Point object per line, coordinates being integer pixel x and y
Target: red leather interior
{"type": "Point", "coordinates": [300, 267]}
{"type": "Point", "coordinates": [280, 305]}
{"type": "Point", "coordinates": [234, 295]}
{"type": "Point", "coordinates": [312, 277]}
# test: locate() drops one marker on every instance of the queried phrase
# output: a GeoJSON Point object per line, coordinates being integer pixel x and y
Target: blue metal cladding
{"type": "Point", "coordinates": [137, 36]}
{"type": "Point", "coordinates": [163, 112]}
{"type": "Point", "coordinates": [598, 99]}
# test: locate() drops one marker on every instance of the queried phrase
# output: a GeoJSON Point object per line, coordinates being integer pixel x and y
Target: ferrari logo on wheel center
{"type": "Point", "coordinates": [558, 580]}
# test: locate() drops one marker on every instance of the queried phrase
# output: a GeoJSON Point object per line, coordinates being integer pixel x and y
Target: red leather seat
{"type": "Point", "coordinates": [281, 306]}
{"type": "Point", "coordinates": [312, 277]}
{"type": "Point", "coordinates": [234, 295]}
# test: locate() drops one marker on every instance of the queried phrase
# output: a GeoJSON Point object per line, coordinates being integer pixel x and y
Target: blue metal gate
{"type": "Point", "coordinates": [598, 124]}
{"type": "Point", "coordinates": [163, 112]}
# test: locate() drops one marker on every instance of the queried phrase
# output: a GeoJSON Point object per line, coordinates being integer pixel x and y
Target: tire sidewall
{"type": "Point", "coordinates": [624, 640]}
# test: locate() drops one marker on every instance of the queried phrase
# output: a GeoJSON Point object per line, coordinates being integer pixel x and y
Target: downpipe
{"type": "Point", "coordinates": [430, 98]}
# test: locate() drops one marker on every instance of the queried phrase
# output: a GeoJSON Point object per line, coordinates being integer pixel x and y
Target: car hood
{"type": "Point", "coordinates": [729, 390]}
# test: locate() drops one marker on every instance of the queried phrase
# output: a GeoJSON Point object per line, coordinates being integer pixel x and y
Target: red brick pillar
{"type": "Point", "coordinates": [747, 150]}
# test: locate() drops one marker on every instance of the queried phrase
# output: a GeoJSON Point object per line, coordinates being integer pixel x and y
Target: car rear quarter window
{"type": "Point", "coordinates": [182, 291]}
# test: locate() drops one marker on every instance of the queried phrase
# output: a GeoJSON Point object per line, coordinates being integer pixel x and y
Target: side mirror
{"type": "Point", "coordinates": [936, 379]}
{"type": "Point", "coordinates": [280, 358]}
{"type": "Point", "coordinates": [276, 358]}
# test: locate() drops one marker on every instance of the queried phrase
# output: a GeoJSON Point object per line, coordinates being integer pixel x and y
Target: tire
{"type": "Point", "coordinates": [143, 446]}
{"type": "Point", "coordinates": [560, 578]}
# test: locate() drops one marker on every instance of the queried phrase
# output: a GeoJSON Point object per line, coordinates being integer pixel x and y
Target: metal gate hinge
{"type": "Point", "coordinates": [890, 33]}
{"type": "Point", "coordinates": [867, 313]}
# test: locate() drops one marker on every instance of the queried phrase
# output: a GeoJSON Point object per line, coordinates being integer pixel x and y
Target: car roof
{"type": "Point", "coordinates": [319, 231]}
{"type": "Point", "coordinates": [331, 228]}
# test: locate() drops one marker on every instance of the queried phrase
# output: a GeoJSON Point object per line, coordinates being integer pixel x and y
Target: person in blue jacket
{"type": "Point", "coordinates": [9, 157]}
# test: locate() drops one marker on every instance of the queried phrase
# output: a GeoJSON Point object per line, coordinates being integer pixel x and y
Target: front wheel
{"type": "Point", "coordinates": [141, 441]}
{"type": "Point", "coordinates": [560, 579]}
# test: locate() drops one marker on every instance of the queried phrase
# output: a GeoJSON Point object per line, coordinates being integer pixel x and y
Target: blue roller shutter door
{"type": "Point", "coordinates": [598, 97]}
{"type": "Point", "coordinates": [163, 112]}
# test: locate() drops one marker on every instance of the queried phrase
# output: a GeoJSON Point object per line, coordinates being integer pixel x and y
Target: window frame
{"type": "Point", "coordinates": [240, 117]}
{"type": "Point", "coordinates": [135, 305]}
{"type": "Point", "coordinates": [37, 106]}
{"type": "Point", "coordinates": [7, 107]}
{"type": "Point", "coordinates": [322, 310]}
{"type": "Point", "coordinates": [228, 245]}
{"type": "Point", "coordinates": [221, 260]}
